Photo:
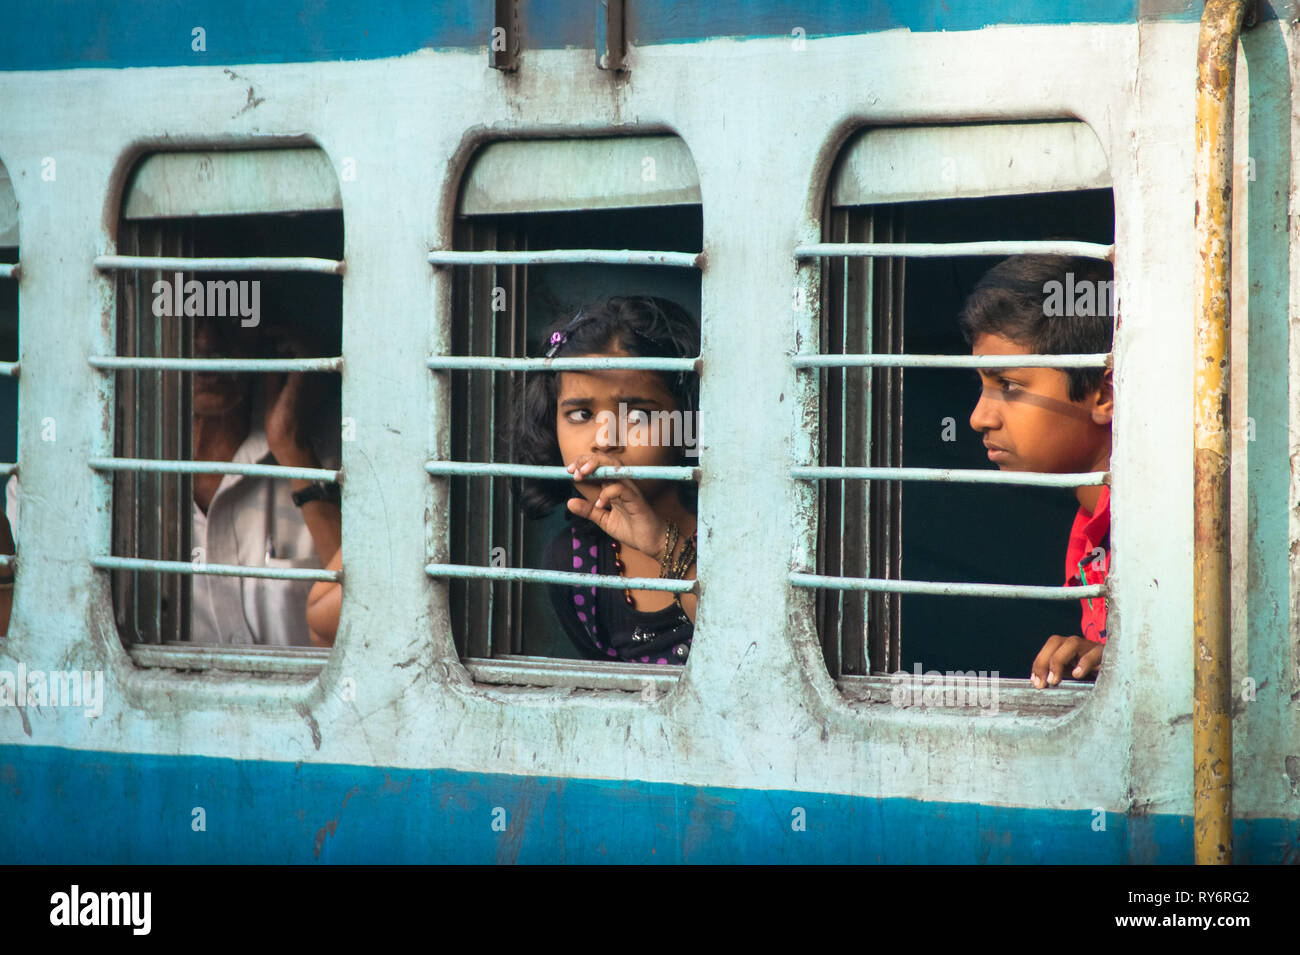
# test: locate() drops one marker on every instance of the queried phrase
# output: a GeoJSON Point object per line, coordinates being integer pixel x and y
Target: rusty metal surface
{"type": "Point", "coordinates": [1212, 600]}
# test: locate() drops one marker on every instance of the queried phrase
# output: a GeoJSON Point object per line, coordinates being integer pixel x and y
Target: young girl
{"type": "Point", "coordinates": [586, 420]}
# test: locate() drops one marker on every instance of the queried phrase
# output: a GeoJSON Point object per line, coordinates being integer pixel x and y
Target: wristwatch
{"type": "Point", "coordinates": [317, 491]}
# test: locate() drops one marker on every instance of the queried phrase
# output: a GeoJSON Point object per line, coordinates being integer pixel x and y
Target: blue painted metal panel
{"type": "Point", "coordinates": [65, 34]}
{"type": "Point", "coordinates": [69, 806]}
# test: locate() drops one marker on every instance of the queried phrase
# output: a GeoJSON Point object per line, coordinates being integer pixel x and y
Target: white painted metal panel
{"type": "Point", "coordinates": [965, 162]}
{"type": "Point", "coordinates": [565, 175]}
{"type": "Point", "coordinates": [239, 182]}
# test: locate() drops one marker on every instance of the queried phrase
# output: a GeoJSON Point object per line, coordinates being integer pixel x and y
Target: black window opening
{"type": "Point", "coordinates": [502, 311]}
{"type": "Point", "coordinates": [201, 519]}
{"type": "Point", "coordinates": [9, 259]}
{"type": "Point", "coordinates": [919, 418]}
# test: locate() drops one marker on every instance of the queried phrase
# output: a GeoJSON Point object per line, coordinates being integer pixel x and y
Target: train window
{"type": "Point", "coordinates": [9, 274]}
{"type": "Point", "coordinates": [925, 556]}
{"type": "Point", "coordinates": [542, 230]}
{"type": "Point", "coordinates": [226, 504]}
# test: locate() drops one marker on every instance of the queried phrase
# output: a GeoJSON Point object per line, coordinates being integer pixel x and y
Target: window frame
{"type": "Point", "coordinates": [827, 273]}
{"type": "Point", "coordinates": [292, 661]}
{"type": "Point", "coordinates": [518, 669]}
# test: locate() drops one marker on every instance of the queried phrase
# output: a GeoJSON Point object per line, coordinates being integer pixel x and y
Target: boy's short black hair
{"type": "Point", "coordinates": [641, 326]}
{"type": "Point", "coordinates": [1036, 300]}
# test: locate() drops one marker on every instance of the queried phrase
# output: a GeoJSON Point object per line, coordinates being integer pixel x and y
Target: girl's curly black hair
{"type": "Point", "coordinates": [641, 326]}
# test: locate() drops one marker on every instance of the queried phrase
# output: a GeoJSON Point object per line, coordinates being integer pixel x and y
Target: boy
{"type": "Point", "coordinates": [1049, 419]}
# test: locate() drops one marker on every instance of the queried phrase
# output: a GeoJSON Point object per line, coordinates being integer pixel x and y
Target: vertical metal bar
{"type": "Point", "coordinates": [458, 590]}
{"type": "Point", "coordinates": [880, 421]}
{"type": "Point", "coordinates": [504, 46]}
{"type": "Point", "coordinates": [497, 488]}
{"type": "Point", "coordinates": [185, 495]}
{"type": "Point", "coordinates": [887, 447]}
{"type": "Point", "coordinates": [859, 402]}
{"type": "Point", "coordinates": [829, 531]}
{"type": "Point", "coordinates": [1221, 27]}
{"type": "Point", "coordinates": [169, 447]}
{"type": "Point", "coordinates": [611, 35]}
{"type": "Point", "coordinates": [516, 345]}
{"type": "Point", "coordinates": [146, 413]}
{"type": "Point", "coordinates": [482, 385]}
{"type": "Point", "coordinates": [893, 564]}
{"type": "Point", "coordinates": [125, 521]}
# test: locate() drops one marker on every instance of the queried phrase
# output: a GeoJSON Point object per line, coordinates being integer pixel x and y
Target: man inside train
{"type": "Point", "coordinates": [1052, 420]}
{"type": "Point", "coordinates": [266, 419]}
{"type": "Point", "coordinates": [253, 521]}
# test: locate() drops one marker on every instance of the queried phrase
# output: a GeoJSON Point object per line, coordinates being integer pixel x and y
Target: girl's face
{"type": "Point", "coordinates": [623, 414]}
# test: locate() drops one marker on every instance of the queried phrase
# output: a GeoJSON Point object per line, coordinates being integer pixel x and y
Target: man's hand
{"type": "Point", "coordinates": [1061, 654]}
{"type": "Point", "coordinates": [285, 407]}
{"type": "Point", "coordinates": [620, 509]}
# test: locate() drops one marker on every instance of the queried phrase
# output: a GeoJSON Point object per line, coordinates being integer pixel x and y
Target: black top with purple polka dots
{"type": "Point", "coordinates": [598, 620]}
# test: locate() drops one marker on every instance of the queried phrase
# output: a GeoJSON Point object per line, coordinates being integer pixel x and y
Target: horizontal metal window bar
{"type": "Point", "coordinates": [565, 578]}
{"type": "Point", "coordinates": [7, 561]}
{"type": "Point", "coordinates": [594, 674]}
{"type": "Point", "coordinates": [215, 467]}
{"type": "Point", "coordinates": [943, 588]}
{"type": "Point", "coordinates": [8, 369]}
{"type": "Point", "coordinates": [954, 475]}
{"type": "Point", "coordinates": [939, 250]}
{"type": "Point", "coordinates": [214, 570]}
{"type": "Point", "coordinates": [555, 472]}
{"type": "Point", "coordinates": [257, 263]}
{"type": "Point", "coordinates": [1097, 360]}
{"type": "Point", "coordinates": [681, 260]}
{"type": "Point", "coordinates": [11, 270]}
{"type": "Point", "coordinates": [116, 362]}
{"type": "Point", "coordinates": [8, 470]}
{"type": "Point", "coordinates": [182, 655]}
{"type": "Point", "coordinates": [488, 363]}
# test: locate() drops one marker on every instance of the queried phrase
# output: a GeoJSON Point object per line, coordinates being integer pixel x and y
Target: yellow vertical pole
{"type": "Point", "coordinates": [1221, 26]}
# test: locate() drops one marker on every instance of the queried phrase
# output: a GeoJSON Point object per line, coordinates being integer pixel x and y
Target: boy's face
{"type": "Point", "coordinates": [1029, 422]}
{"type": "Point", "coordinates": [588, 406]}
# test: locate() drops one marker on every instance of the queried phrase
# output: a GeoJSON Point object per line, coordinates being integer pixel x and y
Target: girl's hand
{"type": "Point", "coordinates": [620, 509]}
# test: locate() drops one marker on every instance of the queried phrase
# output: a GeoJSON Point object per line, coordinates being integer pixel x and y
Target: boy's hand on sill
{"type": "Point", "coordinates": [1075, 656]}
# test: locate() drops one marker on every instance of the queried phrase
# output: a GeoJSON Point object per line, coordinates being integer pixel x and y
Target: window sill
{"type": "Point", "coordinates": [572, 674]}
{"type": "Point", "coordinates": [279, 661]}
{"type": "Point", "coordinates": [976, 697]}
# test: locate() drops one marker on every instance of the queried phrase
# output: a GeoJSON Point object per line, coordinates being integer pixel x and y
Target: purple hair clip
{"type": "Point", "coordinates": [559, 338]}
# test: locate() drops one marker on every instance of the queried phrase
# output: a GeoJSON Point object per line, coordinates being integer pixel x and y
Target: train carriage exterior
{"type": "Point", "coordinates": [403, 742]}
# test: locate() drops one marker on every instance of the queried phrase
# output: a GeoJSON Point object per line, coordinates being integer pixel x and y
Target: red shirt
{"type": "Point", "coordinates": [1084, 565]}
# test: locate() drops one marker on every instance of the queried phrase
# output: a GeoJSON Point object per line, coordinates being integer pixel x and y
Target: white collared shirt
{"type": "Point", "coordinates": [252, 522]}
